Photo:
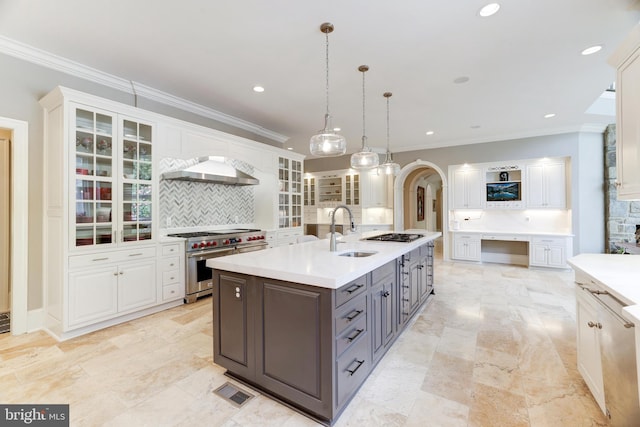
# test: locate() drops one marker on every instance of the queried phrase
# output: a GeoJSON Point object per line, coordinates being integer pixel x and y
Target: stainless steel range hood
{"type": "Point", "coordinates": [212, 169]}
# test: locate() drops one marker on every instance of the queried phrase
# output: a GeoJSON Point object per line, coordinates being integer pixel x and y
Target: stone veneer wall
{"type": "Point", "coordinates": [622, 217]}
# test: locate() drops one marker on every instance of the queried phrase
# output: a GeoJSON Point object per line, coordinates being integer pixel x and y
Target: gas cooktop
{"type": "Point", "coordinates": [395, 237]}
{"type": "Point", "coordinates": [213, 233]}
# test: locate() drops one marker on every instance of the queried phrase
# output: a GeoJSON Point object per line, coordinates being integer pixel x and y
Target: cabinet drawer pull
{"type": "Point", "coordinates": [594, 325]}
{"type": "Point", "coordinates": [357, 334]}
{"type": "Point", "coordinates": [354, 314]}
{"type": "Point", "coordinates": [353, 288]}
{"type": "Point", "coordinates": [136, 254]}
{"type": "Point", "coordinates": [385, 294]}
{"type": "Point", "coordinates": [100, 259]}
{"type": "Point", "coordinates": [353, 371]}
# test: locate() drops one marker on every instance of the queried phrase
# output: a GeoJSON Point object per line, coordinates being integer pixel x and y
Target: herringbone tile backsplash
{"type": "Point", "coordinates": [197, 204]}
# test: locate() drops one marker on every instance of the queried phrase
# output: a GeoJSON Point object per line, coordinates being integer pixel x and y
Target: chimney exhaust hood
{"type": "Point", "coordinates": [212, 169]}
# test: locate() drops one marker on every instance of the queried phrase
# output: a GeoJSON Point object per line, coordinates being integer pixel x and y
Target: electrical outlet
{"type": "Point", "coordinates": [168, 221]}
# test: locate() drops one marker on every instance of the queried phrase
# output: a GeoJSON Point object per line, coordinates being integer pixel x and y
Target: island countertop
{"type": "Point", "coordinates": [312, 263]}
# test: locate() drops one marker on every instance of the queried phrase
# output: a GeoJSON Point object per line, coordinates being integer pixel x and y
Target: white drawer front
{"type": "Point", "coordinates": [172, 249]}
{"type": "Point", "coordinates": [91, 260]}
{"type": "Point", "coordinates": [172, 292]}
{"type": "Point", "coordinates": [170, 263]}
{"type": "Point", "coordinates": [170, 277]}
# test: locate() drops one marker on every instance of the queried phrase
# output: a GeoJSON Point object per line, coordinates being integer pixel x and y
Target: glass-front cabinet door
{"type": "Point", "coordinates": [113, 179]}
{"type": "Point", "coordinates": [94, 168]}
{"type": "Point", "coordinates": [136, 180]}
{"type": "Point", "coordinates": [290, 194]}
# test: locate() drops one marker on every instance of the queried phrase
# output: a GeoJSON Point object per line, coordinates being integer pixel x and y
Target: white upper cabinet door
{"type": "Point", "coordinates": [628, 128]}
{"type": "Point", "coordinates": [546, 186]}
{"type": "Point", "coordinates": [468, 189]}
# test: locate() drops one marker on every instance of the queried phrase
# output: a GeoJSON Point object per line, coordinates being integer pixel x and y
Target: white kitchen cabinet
{"type": "Point", "coordinates": [626, 59]}
{"type": "Point", "coordinates": [352, 190]}
{"type": "Point", "coordinates": [466, 247]}
{"type": "Point", "coordinates": [289, 193]}
{"type": "Point", "coordinates": [171, 270]}
{"type": "Point", "coordinates": [468, 188]}
{"type": "Point", "coordinates": [549, 251]}
{"type": "Point", "coordinates": [588, 345]}
{"type": "Point", "coordinates": [102, 286]}
{"type": "Point", "coordinates": [374, 189]}
{"type": "Point", "coordinates": [545, 183]}
{"type": "Point", "coordinates": [310, 199]}
{"type": "Point", "coordinates": [100, 199]}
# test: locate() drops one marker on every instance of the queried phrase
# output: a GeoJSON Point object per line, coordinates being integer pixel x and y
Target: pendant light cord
{"type": "Point", "coordinates": [364, 137]}
{"type": "Point", "coordinates": [326, 57]}
{"type": "Point", "coordinates": [388, 125]}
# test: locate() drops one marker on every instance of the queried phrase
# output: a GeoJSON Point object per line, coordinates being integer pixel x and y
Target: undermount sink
{"type": "Point", "coordinates": [357, 254]}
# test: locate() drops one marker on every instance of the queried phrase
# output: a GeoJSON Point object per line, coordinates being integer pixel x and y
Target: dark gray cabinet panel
{"type": "Point", "coordinates": [233, 323]}
{"type": "Point", "coordinates": [383, 313]}
{"type": "Point", "coordinates": [291, 337]}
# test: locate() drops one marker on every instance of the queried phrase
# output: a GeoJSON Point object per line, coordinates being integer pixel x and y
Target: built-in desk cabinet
{"type": "Point", "coordinates": [546, 185]}
{"type": "Point", "coordinates": [466, 247]}
{"type": "Point", "coordinates": [468, 189]}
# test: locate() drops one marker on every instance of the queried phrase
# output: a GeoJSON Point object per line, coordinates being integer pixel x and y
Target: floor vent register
{"type": "Point", "coordinates": [233, 394]}
{"type": "Point", "coordinates": [5, 323]}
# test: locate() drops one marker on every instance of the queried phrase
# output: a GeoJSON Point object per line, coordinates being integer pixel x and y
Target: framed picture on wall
{"type": "Point", "coordinates": [420, 204]}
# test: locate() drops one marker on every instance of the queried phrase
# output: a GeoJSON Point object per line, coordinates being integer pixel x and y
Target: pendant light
{"type": "Point", "coordinates": [327, 142]}
{"type": "Point", "coordinates": [365, 158]}
{"type": "Point", "coordinates": [389, 167]}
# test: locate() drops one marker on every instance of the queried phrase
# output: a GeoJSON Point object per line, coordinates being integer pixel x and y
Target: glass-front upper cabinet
{"type": "Point", "coordinates": [94, 167]}
{"type": "Point", "coordinates": [352, 189]}
{"type": "Point", "coordinates": [113, 179]}
{"type": "Point", "coordinates": [136, 180]}
{"type": "Point", "coordinates": [290, 193]}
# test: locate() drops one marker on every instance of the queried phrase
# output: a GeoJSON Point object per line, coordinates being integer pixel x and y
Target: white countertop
{"type": "Point", "coordinates": [312, 263]}
{"type": "Point", "coordinates": [519, 233]}
{"type": "Point", "coordinates": [620, 274]}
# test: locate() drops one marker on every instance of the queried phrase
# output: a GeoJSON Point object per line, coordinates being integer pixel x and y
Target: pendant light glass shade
{"type": "Point", "coordinates": [327, 142]}
{"type": "Point", "coordinates": [365, 158]}
{"type": "Point", "coordinates": [389, 167]}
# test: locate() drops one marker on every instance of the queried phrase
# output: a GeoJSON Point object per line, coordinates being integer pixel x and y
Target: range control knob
{"type": "Point", "coordinates": [202, 244]}
{"type": "Point", "coordinates": [226, 242]}
{"type": "Point", "coordinates": [194, 246]}
{"type": "Point", "coordinates": [214, 244]}
{"type": "Point", "coordinates": [208, 244]}
{"type": "Point", "coordinates": [238, 240]}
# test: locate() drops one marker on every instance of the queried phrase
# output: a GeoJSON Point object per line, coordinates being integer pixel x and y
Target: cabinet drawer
{"type": "Point", "coordinates": [172, 292]}
{"type": "Point", "coordinates": [411, 256]}
{"type": "Point", "coordinates": [170, 263]}
{"type": "Point", "coordinates": [351, 290]}
{"type": "Point", "coordinates": [172, 249]}
{"type": "Point", "coordinates": [506, 237]}
{"type": "Point", "coordinates": [350, 314]}
{"type": "Point", "coordinates": [91, 260]}
{"type": "Point", "coordinates": [352, 335]}
{"type": "Point", "coordinates": [556, 241]}
{"type": "Point", "coordinates": [352, 369]}
{"type": "Point", "coordinates": [170, 277]}
{"type": "Point", "coordinates": [382, 272]}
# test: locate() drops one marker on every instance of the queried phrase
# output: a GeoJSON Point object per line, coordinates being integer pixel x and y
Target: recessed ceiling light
{"type": "Point", "coordinates": [475, 126]}
{"type": "Point", "coordinates": [591, 50]}
{"type": "Point", "coordinates": [489, 10]}
{"type": "Point", "coordinates": [430, 132]}
{"type": "Point", "coordinates": [258, 89]}
{"type": "Point", "coordinates": [289, 148]}
{"type": "Point", "coordinates": [548, 116]}
{"type": "Point", "coordinates": [462, 79]}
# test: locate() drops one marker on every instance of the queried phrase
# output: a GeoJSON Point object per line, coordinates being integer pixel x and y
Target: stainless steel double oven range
{"type": "Point", "coordinates": [203, 245]}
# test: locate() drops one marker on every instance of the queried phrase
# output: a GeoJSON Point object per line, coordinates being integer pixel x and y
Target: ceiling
{"type": "Point", "coordinates": [521, 63]}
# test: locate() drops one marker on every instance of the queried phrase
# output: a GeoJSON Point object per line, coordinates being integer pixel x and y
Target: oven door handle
{"type": "Point", "coordinates": [217, 252]}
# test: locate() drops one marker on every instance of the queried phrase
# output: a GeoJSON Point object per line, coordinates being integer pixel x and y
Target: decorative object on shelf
{"type": "Point", "coordinates": [420, 204]}
{"type": "Point", "coordinates": [389, 167]}
{"type": "Point", "coordinates": [504, 176]}
{"type": "Point", "coordinates": [327, 142]}
{"type": "Point", "coordinates": [365, 158]}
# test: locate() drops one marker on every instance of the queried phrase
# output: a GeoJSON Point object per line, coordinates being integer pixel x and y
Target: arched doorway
{"type": "Point", "coordinates": [407, 204]}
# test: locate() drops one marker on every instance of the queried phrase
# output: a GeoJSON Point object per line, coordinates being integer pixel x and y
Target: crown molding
{"type": "Point", "coordinates": [46, 59]}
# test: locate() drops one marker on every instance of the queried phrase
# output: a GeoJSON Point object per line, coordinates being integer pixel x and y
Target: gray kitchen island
{"type": "Point", "coordinates": [306, 326]}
